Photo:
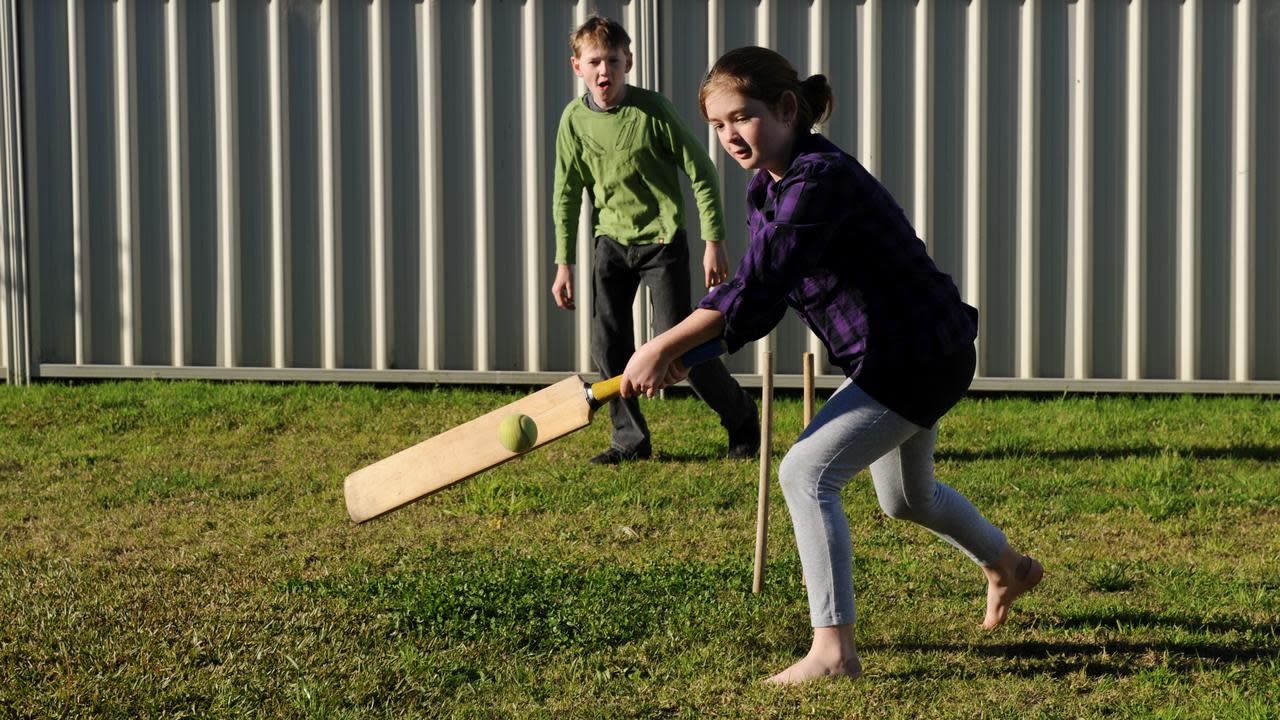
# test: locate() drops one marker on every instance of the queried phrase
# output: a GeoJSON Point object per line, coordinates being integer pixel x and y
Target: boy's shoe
{"type": "Point", "coordinates": [615, 456]}
{"type": "Point", "coordinates": [744, 443]}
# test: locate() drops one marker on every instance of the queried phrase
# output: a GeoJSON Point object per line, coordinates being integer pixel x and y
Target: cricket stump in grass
{"type": "Point", "coordinates": [766, 443]}
{"type": "Point", "coordinates": [808, 389]}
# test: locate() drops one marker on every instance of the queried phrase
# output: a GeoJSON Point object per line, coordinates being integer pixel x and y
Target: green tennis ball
{"type": "Point", "coordinates": [518, 432]}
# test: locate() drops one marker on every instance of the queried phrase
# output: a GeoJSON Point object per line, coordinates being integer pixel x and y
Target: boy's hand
{"type": "Point", "coordinates": [715, 264]}
{"type": "Point", "coordinates": [562, 288]}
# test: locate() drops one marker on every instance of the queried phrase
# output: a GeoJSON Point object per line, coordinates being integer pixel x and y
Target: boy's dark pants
{"type": "Point", "coordinates": [618, 270]}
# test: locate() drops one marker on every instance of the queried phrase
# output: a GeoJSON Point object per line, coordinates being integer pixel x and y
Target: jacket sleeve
{"type": "Point", "coordinates": [787, 244]}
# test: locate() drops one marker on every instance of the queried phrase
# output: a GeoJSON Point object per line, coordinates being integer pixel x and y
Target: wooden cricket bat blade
{"type": "Point", "coordinates": [463, 451]}
{"type": "Point", "coordinates": [473, 447]}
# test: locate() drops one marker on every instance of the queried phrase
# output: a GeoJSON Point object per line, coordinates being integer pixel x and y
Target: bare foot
{"type": "Point", "coordinates": [811, 668]}
{"type": "Point", "coordinates": [1012, 575]}
{"type": "Point", "coordinates": [833, 654]}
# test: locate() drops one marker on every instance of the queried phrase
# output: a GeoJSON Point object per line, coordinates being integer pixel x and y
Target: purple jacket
{"type": "Point", "coordinates": [830, 241]}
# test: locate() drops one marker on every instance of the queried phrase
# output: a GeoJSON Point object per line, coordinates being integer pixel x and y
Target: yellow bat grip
{"type": "Point", "coordinates": [606, 390]}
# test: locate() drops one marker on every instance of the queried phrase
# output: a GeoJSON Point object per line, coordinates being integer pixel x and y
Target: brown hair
{"type": "Point", "coordinates": [763, 74]}
{"type": "Point", "coordinates": [601, 32]}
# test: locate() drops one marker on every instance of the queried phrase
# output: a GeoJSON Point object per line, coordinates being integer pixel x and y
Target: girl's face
{"type": "Point", "coordinates": [755, 136]}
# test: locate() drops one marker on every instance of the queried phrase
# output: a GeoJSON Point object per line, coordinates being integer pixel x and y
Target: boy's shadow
{"type": "Point", "coordinates": [710, 455]}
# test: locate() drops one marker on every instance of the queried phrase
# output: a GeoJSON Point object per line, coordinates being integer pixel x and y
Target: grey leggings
{"type": "Point", "coordinates": [850, 432]}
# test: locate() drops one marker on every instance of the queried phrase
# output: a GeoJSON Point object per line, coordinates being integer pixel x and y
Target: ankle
{"type": "Point", "coordinates": [835, 645]}
{"type": "Point", "coordinates": [1010, 567]}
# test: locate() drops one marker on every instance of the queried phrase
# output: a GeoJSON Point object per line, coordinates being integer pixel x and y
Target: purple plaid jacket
{"type": "Point", "coordinates": [830, 241]}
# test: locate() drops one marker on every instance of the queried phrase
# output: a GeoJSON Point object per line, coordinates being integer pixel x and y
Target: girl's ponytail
{"type": "Point", "coordinates": [816, 101]}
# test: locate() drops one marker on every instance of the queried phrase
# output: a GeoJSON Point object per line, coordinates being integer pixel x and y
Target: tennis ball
{"type": "Point", "coordinates": [518, 432]}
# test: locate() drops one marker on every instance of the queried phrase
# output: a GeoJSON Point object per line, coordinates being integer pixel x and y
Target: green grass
{"type": "Point", "coordinates": [182, 550]}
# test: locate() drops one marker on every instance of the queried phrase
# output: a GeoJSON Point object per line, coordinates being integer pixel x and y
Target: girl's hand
{"type": "Point", "coordinates": [649, 371]}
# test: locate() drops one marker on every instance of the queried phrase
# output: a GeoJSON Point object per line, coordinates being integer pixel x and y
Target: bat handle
{"type": "Point", "coordinates": [602, 392]}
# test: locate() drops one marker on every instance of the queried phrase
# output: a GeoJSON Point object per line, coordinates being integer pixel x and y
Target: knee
{"type": "Point", "coordinates": [902, 506]}
{"type": "Point", "coordinates": [897, 508]}
{"type": "Point", "coordinates": [794, 477]}
{"type": "Point", "coordinates": [800, 477]}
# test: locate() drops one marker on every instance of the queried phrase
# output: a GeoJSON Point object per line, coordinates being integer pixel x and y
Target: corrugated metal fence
{"type": "Point", "coordinates": [359, 189]}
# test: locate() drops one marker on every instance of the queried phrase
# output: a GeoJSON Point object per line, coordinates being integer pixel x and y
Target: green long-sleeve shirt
{"type": "Point", "coordinates": [628, 158]}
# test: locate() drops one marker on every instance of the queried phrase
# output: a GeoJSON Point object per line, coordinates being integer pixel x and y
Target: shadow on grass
{"type": "Point", "coordinates": [1188, 623]}
{"type": "Point", "coordinates": [1111, 658]}
{"type": "Point", "coordinates": [1264, 453]}
{"type": "Point", "coordinates": [1118, 657]}
{"type": "Point", "coordinates": [714, 454]}
{"type": "Point", "coordinates": [664, 456]}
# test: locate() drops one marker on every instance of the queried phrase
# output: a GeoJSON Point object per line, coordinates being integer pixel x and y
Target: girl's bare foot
{"type": "Point", "coordinates": [833, 654]}
{"type": "Point", "coordinates": [1011, 575]}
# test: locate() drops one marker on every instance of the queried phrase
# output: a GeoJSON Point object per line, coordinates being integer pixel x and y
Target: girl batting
{"type": "Point", "coordinates": [827, 239]}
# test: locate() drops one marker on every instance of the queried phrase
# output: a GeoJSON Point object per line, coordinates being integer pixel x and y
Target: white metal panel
{"type": "Point", "coordinates": [535, 193]}
{"type": "Point", "coordinates": [124, 20]}
{"type": "Point", "coordinates": [228, 169]}
{"type": "Point", "coordinates": [868, 85]}
{"type": "Point", "coordinates": [921, 200]}
{"type": "Point", "coordinates": [380, 278]}
{"type": "Point", "coordinates": [974, 136]}
{"type": "Point", "coordinates": [715, 48]}
{"type": "Point", "coordinates": [79, 180]}
{"type": "Point", "coordinates": [7, 297]}
{"type": "Point", "coordinates": [582, 285]}
{"type": "Point", "coordinates": [5, 332]}
{"type": "Point", "coordinates": [766, 36]}
{"type": "Point", "coordinates": [179, 180]}
{"type": "Point", "coordinates": [1081, 189]}
{"type": "Point", "coordinates": [330, 185]}
{"type": "Point", "coordinates": [1028, 187]}
{"type": "Point", "coordinates": [13, 233]}
{"type": "Point", "coordinates": [1189, 124]}
{"type": "Point", "coordinates": [8, 247]}
{"type": "Point", "coordinates": [431, 174]}
{"type": "Point", "coordinates": [820, 64]}
{"type": "Point", "coordinates": [483, 189]}
{"type": "Point", "coordinates": [989, 175]}
{"type": "Point", "coordinates": [1135, 121]}
{"type": "Point", "coordinates": [280, 233]}
{"type": "Point", "coordinates": [1243, 189]}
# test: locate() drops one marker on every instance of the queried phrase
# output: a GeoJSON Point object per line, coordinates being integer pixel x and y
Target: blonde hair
{"type": "Point", "coordinates": [764, 75]}
{"type": "Point", "coordinates": [602, 32]}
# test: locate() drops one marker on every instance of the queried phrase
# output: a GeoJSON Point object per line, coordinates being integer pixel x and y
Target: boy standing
{"type": "Point", "coordinates": [625, 144]}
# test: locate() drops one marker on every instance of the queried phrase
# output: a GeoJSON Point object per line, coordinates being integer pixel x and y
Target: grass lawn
{"type": "Point", "coordinates": [182, 550]}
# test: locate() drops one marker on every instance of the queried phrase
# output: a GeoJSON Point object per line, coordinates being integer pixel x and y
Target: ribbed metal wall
{"type": "Point", "coordinates": [359, 189]}
{"type": "Point", "coordinates": [14, 328]}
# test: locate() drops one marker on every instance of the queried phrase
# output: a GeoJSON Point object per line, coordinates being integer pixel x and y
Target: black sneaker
{"type": "Point", "coordinates": [744, 443]}
{"type": "Point", "coordinates": [614, 456]}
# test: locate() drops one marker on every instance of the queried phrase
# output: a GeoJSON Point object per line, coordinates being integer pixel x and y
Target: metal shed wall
{"type": "Point", "coordinates": [359, 189]}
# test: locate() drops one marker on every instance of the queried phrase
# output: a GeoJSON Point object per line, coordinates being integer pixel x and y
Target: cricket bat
{"type": "Point", "coordinates": [473, 447]}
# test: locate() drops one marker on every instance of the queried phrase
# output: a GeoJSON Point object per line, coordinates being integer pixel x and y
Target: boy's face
{"type": "Point", "coordinates": [604, 71]}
